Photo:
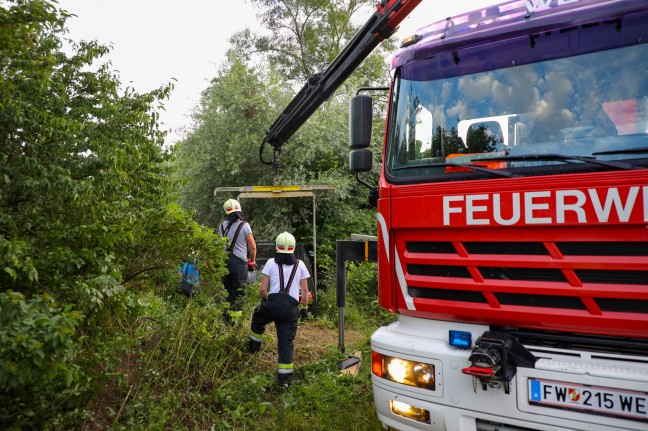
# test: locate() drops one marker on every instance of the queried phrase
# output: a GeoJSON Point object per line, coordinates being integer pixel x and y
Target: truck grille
{"type": "Point", "coordinates": [517, 283]}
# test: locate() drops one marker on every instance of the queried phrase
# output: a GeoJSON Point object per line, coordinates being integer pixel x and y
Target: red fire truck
{"type": "Point", "coordinates": [512, 216]}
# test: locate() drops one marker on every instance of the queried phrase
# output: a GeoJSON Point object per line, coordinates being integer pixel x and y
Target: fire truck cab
{"type": "Point", "coordinates": [512, 215]}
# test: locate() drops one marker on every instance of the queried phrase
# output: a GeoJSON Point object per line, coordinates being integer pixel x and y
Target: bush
{"type": "Point", "coordinates": [38, 352]}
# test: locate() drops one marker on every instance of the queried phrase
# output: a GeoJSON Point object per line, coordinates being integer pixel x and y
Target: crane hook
{"type": "Point", "coordinates": [276, 162]}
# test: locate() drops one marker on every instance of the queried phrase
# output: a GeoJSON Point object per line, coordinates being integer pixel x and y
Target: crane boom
{"type": "Point", "coordinates": [319, 87]}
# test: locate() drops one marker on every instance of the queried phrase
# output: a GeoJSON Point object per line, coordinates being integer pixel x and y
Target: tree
{"type": "Point", "coordinates": [300, 37]}
{"type": "Point", "coordinates": [222, 150]}
{"type": "Point", "coordinates": [86, 214]}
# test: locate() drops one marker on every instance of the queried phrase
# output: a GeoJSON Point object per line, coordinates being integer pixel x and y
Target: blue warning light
{"type": "Point", "coordinates": [461, 339]}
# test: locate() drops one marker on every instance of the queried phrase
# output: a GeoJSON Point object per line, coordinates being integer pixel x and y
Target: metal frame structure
{"type": "Point", "coordinates": [274, 192]}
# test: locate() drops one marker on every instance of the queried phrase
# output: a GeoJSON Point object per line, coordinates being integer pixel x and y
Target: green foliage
{"type": "Point", "coordinates": [184, 352]}
{"type": "Point", "coordinates": [362, 282]}
{"type": "Point", "coordinates": [37, 340]}
{"type": "Point", "coordinates": [38, 354]}
{"type": "Point", "coordinates": [93, 333]}
{"type": "Point", "coordinates": [223, 149]}
{"type": "Point", "coordinates": [82, 163]}
{"type": "Point", "coordinates": [190, 371]}
{"type": "Point", "coordinates": [87, 217]}
{"type": "Point", "coordinates": [343, 403]}
{"type": "Point", "coordinates": [301, 37]}
{"type": "Point", "coordinates": [362, 311]}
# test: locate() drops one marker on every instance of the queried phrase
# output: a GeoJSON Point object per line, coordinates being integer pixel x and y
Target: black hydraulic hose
{"type": "Point", "coordinates": [261, 154]}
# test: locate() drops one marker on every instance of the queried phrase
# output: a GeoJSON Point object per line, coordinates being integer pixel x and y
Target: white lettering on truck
{"type": "Point", "coordinates": [603, 213]}
{"type": "Point", "coordinates": [535, 5]}
{"type": "Point", "coordinates": [546, 207]}
{"type": "Point", "coordinates": [497, 210]}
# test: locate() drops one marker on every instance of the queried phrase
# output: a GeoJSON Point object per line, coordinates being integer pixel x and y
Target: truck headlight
{"type": "Point", "coordinates": [403, 371]}
{"type": "Point", "coordinates": [407, 411]}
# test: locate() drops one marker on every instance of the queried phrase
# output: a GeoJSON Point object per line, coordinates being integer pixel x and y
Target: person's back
{"type": "Point", "coordinates": [241, 249]}
{"type": "Point", "coordinates": [284, 278]}
{"type": "Point", "coordinates": [189, 279]}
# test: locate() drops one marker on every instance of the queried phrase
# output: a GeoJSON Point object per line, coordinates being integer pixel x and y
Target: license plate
{"type": "Point", "coordinates": [589, 399]}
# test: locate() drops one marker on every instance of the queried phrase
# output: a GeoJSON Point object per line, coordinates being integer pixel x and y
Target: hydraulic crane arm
{"type": "Point", "coordinates": [319, 87]}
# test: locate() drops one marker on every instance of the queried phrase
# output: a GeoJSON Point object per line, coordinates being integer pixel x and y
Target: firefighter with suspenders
{"type": "Point", "coordinates": [283, 284]}
{"type": "Point", "coordinates": [241, 249]}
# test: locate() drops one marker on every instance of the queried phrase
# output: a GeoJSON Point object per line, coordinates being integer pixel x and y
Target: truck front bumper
{"type": "Point", "coordinates": [459, 402]}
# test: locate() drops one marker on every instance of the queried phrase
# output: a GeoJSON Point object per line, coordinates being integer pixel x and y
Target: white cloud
{"type": "Point", "coordinates": [157, 40]}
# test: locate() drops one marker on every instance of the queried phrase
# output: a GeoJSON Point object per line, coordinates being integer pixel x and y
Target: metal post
{"type": "Point", "coordinates": [365, 249]}
{"type": "Point", "coordinates": [340, 276]}
{"type": "Point", "coordinates": [315, 293]}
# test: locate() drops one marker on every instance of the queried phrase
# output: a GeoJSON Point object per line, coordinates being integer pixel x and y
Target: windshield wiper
{"type": "Point", "coordinates": [561, 157]}
{"type": "Point", "coordinates": [625, 151]}
{"type": "Point", "coordinates": [493, 172]}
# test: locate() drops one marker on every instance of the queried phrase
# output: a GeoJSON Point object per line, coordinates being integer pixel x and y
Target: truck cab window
{"type": "Point", "coordinates": [589, 105]}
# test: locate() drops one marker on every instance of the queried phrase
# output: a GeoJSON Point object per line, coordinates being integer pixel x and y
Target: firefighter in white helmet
{"type": "Point", "coordinates": [241, 249]}
{"type": "Point", "coordinates": [284, 282]}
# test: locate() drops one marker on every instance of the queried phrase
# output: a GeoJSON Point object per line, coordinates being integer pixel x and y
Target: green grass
{"type": "Point", "coordinates": [187, 370]}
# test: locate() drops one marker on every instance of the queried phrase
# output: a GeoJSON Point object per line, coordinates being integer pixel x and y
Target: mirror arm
{"type": "Point", "coordinates": [361, 89]}
{"type": "Point", "coordinates": [373, 191]}
{"type": "Point", "coordinates": [363, 182]}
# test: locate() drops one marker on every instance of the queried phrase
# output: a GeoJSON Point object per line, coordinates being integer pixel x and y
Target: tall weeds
{"type": "Point", "coordinates": [186, 369]}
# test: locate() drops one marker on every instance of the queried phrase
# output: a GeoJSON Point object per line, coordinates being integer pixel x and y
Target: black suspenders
{"type": "Point", "coordinates": [282, 288]}
{"type": "Point", "coordinates": [230, 247]}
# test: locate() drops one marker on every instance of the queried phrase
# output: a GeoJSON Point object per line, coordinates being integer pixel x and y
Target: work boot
{"type": "Point", "coordinates": [284, 380]}
{"type": "Point", "coordinates": [304, 314]}
{"type": "Point", "coordinates": [254, 346]}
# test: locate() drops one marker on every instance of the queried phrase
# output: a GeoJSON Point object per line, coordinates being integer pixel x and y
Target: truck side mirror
{"type": "Point", "coordinates": [360, 160]}
{"type": "Point", "coordinates": [360, 121]}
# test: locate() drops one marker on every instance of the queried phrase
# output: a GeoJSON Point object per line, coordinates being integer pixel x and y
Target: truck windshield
{"type": "Point", "coordinates": [593, 105]}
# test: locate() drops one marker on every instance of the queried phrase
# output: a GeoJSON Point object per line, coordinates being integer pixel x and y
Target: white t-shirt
{"type": "Point", "coordinates": [271, 269]}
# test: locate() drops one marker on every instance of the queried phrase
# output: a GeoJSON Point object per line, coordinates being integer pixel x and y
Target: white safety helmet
{"type": "Point", "coordinates": [285, 243]}
{"type": "Point", "coordinates": [230, 206]}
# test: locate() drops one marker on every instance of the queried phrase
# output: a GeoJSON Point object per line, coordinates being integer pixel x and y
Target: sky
{"type": "Point", "coordinates": [156, 41]}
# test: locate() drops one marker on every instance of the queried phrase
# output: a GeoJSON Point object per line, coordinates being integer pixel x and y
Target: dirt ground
{"type": "Point", "coordinates": [313, 341]}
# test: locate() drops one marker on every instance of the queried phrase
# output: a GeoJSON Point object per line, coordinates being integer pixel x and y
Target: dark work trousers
{"type": "Point", "coordinates": [283, 310]}
{"type": "Point", "coordinates": [235, 283]}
